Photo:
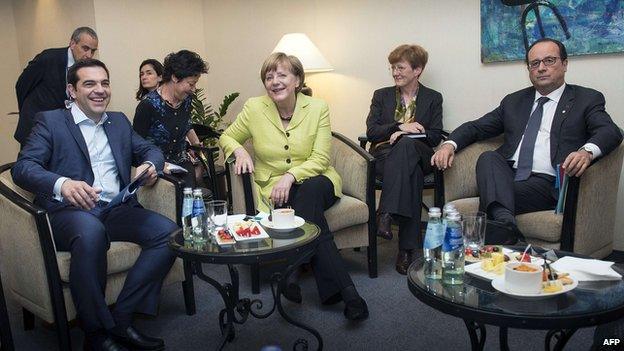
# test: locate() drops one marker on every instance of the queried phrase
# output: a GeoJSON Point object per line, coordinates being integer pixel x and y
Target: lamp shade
{"type": "Point", "coordinates": [298, 44]}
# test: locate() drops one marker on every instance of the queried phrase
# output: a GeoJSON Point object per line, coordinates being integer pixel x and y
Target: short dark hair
{"type": "Point", "coordinates": [80, 30]}
{"type": "Point", "coordinates": [563, 54]}
{"type": "Point", "coordinates": [182, 64]}
{"type": "Point", "coordinates": [72, 72]}
{"type": "Point", "coordinates": [158, 68]}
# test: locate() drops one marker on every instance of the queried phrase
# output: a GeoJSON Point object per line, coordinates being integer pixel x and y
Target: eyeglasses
{"type": "Point", "coordinates": [397, 68]}
{"type": "Point", "coordinates": [548, 61]}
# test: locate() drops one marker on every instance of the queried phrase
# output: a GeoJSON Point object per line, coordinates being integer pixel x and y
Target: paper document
{"type": "Point", "coordinates": [129, 190]}
{"type": "Point", "coordinates": [416, 135]}
{"type": "Point", "coordinates": [173, 168]}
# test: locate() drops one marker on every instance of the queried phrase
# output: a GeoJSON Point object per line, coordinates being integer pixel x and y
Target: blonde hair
{"type": "Point", "coordinates": [276, 58]}
{"type": "Point", "coordinates": [416, 55]}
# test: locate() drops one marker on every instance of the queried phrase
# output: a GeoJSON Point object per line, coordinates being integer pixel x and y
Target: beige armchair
{"type": "Point", "coordinates": [352, 218]}
{"type": "Point", "coordinates": [37, 275]}
{"type": "Point", "coordinates": [585, 227]}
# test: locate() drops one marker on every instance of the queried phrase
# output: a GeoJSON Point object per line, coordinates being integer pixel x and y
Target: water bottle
{"type": "Point", "coordinates": [449, 207]}
{"type": "Point", "coordinates": [187, 213]}
{"type": "Point", "coordinates": [453, 251]}
{"type": "Point", "coordinates": [434, 237]}
{"type": "Point", "coordinates": [198, 219]}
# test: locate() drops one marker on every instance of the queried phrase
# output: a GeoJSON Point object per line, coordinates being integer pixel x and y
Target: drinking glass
{"type": "Point", "coordinates": [473, 224]}
{"type": "Point", "coordinates": [218, 212]}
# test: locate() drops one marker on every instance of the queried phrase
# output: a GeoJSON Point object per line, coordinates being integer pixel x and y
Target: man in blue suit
{"type": "Point", "coordinates": [76, 160]}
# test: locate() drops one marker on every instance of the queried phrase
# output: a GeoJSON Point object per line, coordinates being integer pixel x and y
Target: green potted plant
{"type": "Point", "coordinates": [203, 113]}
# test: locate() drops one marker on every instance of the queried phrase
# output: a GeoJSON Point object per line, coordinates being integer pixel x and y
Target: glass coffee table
{"type": "Point", "coordinates": [478, 303]}
{"type": "Point", "coordinates": [295, 246]}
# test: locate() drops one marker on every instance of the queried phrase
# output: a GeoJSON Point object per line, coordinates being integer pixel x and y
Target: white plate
{"type": "Point", "coordinates": [222, 242]}
{"type": "Point", "coordinates": [298, 222]}
{"type": "Point", "coordinates": [476, 270]}
{"type": "Point", "coordinates": [232, 229]}
{"type": "Point", "coordinates": [499, 284]}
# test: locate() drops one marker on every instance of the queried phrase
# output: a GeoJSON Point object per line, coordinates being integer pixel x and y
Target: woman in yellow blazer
{"type": "Point", "coordinates": [291, 135]}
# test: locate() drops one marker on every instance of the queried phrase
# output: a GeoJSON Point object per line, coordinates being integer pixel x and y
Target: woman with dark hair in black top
{"type": "Point", "coordinates": [150, 76]}
{"type": "Point", "coordinates": [164, 115]}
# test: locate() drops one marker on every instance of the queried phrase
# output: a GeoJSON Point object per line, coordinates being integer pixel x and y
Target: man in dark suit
{"type": "Point", "coordinates": [548, 125]}
{"type": "Point", "coordinates": [75, 161]}
{"type": "Point", "coordinates": [42, 86]}
{"type": "Point", "coordinates": [408, 107]}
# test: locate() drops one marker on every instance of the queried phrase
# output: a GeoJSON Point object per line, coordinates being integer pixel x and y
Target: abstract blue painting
{"type": "Point", "coordinates": [584, 26]}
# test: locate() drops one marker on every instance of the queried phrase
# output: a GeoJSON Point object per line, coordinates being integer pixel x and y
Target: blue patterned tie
{"type": "Point", "coordinates": [525, 159]}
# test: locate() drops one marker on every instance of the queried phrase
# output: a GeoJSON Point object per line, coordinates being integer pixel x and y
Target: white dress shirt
{"type": "Point", "coordinates": [106, 175]}
{"type": "Point", "coordinates": [541, 155]}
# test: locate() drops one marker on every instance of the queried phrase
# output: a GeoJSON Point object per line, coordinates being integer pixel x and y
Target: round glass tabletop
{"type": "Point", "coordinates": [278, 245]}
{"type": "Point", "coordinates": [591, 303]}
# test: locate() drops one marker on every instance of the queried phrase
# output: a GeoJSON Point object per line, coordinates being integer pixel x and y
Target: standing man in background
{"type": "Point", "coordinates": [42, 86]}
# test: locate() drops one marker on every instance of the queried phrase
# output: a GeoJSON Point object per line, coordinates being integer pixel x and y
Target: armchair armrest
{"type": "Point", "coordinates": [460, 180]}
{"type": "Point", "coordinates": [206, 158]}
{"type": "Point", "coordinates": [25, 228]}
{"type": "Point", "coordinates": [164, 197]}
{"type": "Point", "coordinates": [590, 208]}
{"type": "Point", "coordinates": [355, 166]}
{"type": "Point", "coordinates": [242, 190]}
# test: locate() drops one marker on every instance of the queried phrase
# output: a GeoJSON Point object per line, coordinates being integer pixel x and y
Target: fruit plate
{"type": "Point", "coordinates": [246, 230]}
{"type": "Point", "coordinates": [224, 238]}
{"type": "Point", "coordinates": [513, 255]}
{"type": "Point", "coordinates": [499, 284]}
{"type": "Point", "coordinates": [476, 269]}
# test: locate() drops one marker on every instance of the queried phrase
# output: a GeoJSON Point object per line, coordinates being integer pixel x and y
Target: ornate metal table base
{"type": "Point", "coordinates": [478, 341]}
{"type": "Point", "coordinates": [561, 336]}
{"type": "Point", "coordinates": [237, 310]}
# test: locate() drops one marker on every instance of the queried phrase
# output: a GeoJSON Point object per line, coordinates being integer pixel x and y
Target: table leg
{"type": "Point", "coordinates": [277, 279]}
{"type": "Point", "coordinates": [230, 298]}
{"type": "Point", "coordinates": [561, 336]}
{"type": "Point", "coordinates": [477, 341]}
{"type": "Point", "coordinates": [503, 345]}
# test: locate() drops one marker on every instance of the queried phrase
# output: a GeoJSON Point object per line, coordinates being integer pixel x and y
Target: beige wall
{"type": "Point", "coordinates": [45, 24]}
{"type": "Point", "coordinates": [9, 71]}
{"type": "Point", "coordinates": [235, 37]}
{"type": "Point", "coordinates": [131, 31]}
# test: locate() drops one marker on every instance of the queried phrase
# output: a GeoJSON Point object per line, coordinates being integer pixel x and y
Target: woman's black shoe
{"type": "Point", "coordinates": [356, 310]}
{"type": "Point", "coordinates": [292, 292]}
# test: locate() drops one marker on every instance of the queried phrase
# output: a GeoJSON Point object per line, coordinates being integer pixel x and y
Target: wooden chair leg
{"type": "Point", "coordinates": [29, 319]}
{"type": "Point", "coordinates": [62, 333]}
{"type": "Point", "coordinates": [6, 338]}
{"type": "Point", "coordinates": [188, 289]}
{"type": "Point", "coordinates": [255, 278]}
{"type": "Point", "coordinates": [372, 260]}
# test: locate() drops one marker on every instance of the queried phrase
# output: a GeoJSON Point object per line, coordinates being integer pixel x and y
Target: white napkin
{"type": "Point", "coordinates": [586, 269]}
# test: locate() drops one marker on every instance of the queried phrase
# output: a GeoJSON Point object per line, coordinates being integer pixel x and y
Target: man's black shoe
{"type": "Point", "coordinates": [90, 344]}
{"type": "Point", "coordinates": [134, 339]}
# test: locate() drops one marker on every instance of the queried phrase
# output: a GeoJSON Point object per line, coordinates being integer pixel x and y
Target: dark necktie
{"type": "Point", "coordinates": [525, 159]}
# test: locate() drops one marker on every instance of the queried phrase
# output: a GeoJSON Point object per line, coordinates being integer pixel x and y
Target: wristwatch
{"type": "Point", "coordinates": [588, 150]}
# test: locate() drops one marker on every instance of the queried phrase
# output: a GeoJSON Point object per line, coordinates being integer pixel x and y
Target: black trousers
{"type": "Point", "coordinates": [403, 167]}
{"type": "Point", "coordinates": [310, 199]}
{"type": "Point", "coordinates": [495, 181]}
{"type": "Point", "coordinates": [87, 235]}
